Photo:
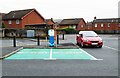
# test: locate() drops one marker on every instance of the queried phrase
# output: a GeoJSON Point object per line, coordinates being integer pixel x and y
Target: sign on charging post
{"type": "Point", "coordinates": [51, 37]}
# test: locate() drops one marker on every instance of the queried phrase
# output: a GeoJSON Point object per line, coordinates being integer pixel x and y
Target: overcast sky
{"type": "Point", "coordinates": [61, 9]}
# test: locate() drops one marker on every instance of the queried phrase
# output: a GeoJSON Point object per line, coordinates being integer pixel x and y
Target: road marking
{"type": "Point", "coordinates": [90, 55]}
{"type": "Point", "coordinates": [32, 52]}
{"type": "Point", "coordinates": [67, 52]}
{"type": "Point", "coordinates": [111, 48]}
{"type": "Point", "coordinates": [50, 56]}
{"type": "Point", "coordinates": [87, 53]}
{"type": "Point", "coordinates": [51, 53]}
{"type": "Point", "coordinates": [12, 53]}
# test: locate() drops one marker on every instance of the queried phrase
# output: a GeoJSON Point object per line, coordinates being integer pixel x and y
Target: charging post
{"type": "Point", "coordinates": [51, 37]}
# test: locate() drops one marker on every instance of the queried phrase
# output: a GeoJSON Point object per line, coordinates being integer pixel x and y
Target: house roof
{"type": "Point", "coordinates": [18, 14]}
{"type": "Point", "coordinates": [89, 24]}
{"type": "Point", "coordinates": [73, 21]}
{"type": "Point", "coordinates": [57, 21]}
{"type": "Point", "coordinates": [47, 20]}
{"type": "Point", "coordinates": [108, 20]}
{"type": "Point", "coordinates": [2, 15]}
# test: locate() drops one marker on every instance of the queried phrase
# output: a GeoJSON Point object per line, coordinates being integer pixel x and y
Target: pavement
{"type": "Point", "coordinates": [106, 67]}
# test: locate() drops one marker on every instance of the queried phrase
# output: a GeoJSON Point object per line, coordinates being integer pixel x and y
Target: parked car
{"type": "Point", "coordinates": [89, 38]}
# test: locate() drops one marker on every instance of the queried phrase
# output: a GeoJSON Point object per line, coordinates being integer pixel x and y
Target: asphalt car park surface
{"type": "Point", "coordinates": [106, 65]}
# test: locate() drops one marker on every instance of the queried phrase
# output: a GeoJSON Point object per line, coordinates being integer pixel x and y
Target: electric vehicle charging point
{"type": "Point", "coordinates": [51, 37]}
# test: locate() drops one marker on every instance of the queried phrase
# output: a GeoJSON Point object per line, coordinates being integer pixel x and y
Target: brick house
{"type": "Point", "coordinates": [1, 16]}
{"type": "Point", "coordinates": [89, 26]}
{"type": "Point", "coordinates": [21, 18]}
{"type": "Point", "coordinates": [76, 23]}
{"type": "Point", "coordinates": [2, 25]}
{"type": "Point", "coordinates": [109, 25]}
{"type": "Point", "coordinates": [19, 21]}
{"type": "Point", "coordinates": [50, 23]}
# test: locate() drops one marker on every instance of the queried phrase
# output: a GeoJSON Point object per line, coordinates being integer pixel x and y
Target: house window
{"type": "Point", "coordinates": [9, 22]}
{"type": "Point", "coordinates": [17, 22]}
{"type": "Point", "coordinates": [108, 24]}
{"type": "Point", "coordinates": [74, 26]}
{"type": "Point", "coordinates": [95, 25]}
{"type": "Point", "coordinates": [102, 25]}
{"type": "Point", "coordinates": [81, 26]}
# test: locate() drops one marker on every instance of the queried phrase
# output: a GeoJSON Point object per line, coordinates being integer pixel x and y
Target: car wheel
{"type": "Point", "coordinates": [77, 43]}
{"type": "Point", "coordinates": [82, 45]}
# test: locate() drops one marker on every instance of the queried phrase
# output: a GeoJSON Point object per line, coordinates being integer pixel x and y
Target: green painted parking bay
{"type": "Point", "coordinates": [51, 54]}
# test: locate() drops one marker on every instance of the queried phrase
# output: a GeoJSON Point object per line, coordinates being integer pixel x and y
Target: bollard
{"type": "Point", "coordinates": [14, 41]}
{"type": "Point", "coordinates": [57, 39]}
{"type": "Point", "coordinates": [38, 39]}
{"type": "Point", "coordinates": [63, 36]}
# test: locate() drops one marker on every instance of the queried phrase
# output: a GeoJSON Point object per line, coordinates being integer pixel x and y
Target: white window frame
{"type": "Point", "coordinates": [95, 25]}
{"type": "Point", "coordinates": [108, 24]}
{"type": "Point", "coordinates": [102, 25]}
{"type": "Point", "coordinates": [17, 21]}
{"type": "Point", "coordinates": [9, 21]}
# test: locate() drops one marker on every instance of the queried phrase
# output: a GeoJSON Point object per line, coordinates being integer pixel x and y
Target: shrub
{"type": "Point", "coordinates": [69, 30]}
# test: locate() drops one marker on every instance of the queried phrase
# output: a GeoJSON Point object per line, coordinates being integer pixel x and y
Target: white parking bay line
{"type": "Point", "coordinates": [90, 55]}
{"type": "Point", "coordinates": [50, 56]}
{"type": "Point", "coordinates": [51, 53]}
{"type": "Point", "coordinates": [111, 48]}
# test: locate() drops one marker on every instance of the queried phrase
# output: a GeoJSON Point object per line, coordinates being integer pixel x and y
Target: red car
{"type": "Point", "coordinates": [89, 38]}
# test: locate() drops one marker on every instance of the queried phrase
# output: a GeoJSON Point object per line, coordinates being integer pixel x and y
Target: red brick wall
{"type": "Point", "coordinates": [13, 25]}
{"type": "Point", "coordinates": [51, 23]}
{"type": "Point", "coordinates": [117, 27]}
{"type": "Point", "coordinates": [89, 28]}
{"type": "Point", "coordinates": [99, 26]}
{"type": "Point", "coordinates": [113, 26]}
{"type": "Point", "coordinates": [79, 27]}
{"type": "Point", "coordinates": [32, 18]}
